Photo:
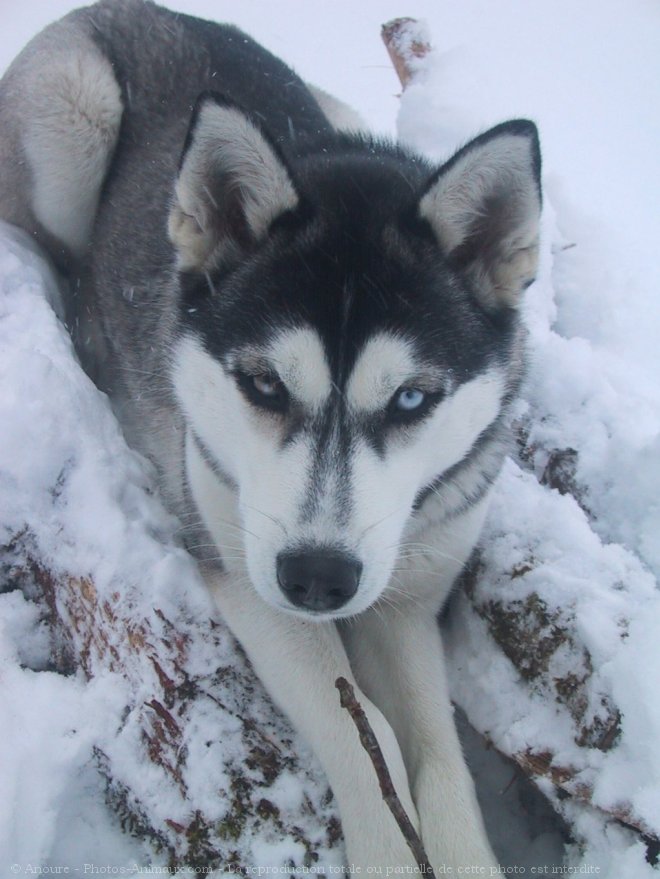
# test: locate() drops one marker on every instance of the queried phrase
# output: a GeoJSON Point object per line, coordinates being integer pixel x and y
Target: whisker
{"type": "Point", "coordinates": [228, 524]}
{"type": "Point", "coordinates": [415, 548]}
{"type": "Point", "coordinates": [273, 519]}
{"type": "Point", "coordinates": [401, 592]}
{"type": "Point", "coordinates": [224, 558]}
{"type": "Point", "coordinates": [379, 522]}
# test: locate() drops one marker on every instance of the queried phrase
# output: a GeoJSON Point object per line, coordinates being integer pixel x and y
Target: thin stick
{"type": "Point", "coordinates": [370, 744]}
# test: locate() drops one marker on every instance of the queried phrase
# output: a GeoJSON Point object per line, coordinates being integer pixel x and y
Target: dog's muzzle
{"type": "Point", "coordinates": [321, 580]}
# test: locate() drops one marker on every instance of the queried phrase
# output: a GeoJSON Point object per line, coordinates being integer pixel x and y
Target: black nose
{"type": "Point", "coordinates": [319, 580]}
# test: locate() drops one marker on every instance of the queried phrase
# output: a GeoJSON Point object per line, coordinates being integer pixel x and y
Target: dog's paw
{"type": "Point", "coordinates": [379, 856]}
{"type": "Point", "coordinates": [452, 828]}
{"type": "Point", "coordinates": [375, 843]}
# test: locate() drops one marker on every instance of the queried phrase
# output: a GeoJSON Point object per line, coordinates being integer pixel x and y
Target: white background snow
{"type": "Point", "coordinates": [589, 74]}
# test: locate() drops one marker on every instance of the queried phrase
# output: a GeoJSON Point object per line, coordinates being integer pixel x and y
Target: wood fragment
{"type": "Point", "coordinates": [406, 43]}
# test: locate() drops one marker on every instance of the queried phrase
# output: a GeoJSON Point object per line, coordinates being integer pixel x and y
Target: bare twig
{"type": "Point", "coordinates": [370, 744]}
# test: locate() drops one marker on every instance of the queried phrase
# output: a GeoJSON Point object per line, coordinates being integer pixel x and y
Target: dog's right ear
{"type": "Point", "coordinates": [484, 207]}
{"type": "Point", "coordinates": [232, 184]}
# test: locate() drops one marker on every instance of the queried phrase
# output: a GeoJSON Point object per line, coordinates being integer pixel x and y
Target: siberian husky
{"type": "Point", "coordinates": [314, 335]}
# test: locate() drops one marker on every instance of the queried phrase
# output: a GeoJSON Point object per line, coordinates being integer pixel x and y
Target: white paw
{"type": "Point", "coordinates": [452, 828]}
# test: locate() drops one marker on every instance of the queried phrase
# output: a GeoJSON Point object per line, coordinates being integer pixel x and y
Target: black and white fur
{"type": "Point", "coordinates": [314, 336]}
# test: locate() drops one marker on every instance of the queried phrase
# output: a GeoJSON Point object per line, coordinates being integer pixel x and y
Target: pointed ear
{"type": "Point", "coordinates": [232, 184]}
{"type": "Point", "coordinates": [484, 207]}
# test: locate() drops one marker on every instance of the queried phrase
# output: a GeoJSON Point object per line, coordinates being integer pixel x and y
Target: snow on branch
{"type": "Point", "coordinates": [407, 42]}
{"type": "Point", "coordinates": [199, 759]}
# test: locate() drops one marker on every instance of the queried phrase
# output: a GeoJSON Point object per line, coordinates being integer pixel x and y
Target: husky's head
{"type": "Point", "coordinates": [350, 338]}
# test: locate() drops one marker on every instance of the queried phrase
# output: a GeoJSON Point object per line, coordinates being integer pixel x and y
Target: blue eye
{"type": "Point", "coordinates": [409, 399]}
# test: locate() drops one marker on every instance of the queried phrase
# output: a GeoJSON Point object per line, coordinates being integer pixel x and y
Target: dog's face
{"type": "Point", "coordinates": [337, 359]}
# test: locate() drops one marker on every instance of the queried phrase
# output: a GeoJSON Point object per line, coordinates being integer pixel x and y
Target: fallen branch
{"type": "Point", "coordinates": [370, 744]}
{"type": "Point", "coordinates": [188, 694]}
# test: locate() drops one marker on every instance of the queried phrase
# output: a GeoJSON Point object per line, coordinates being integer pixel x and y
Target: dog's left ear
{"type": "Point", "coordinates": [484, 207]}
{"type": "Point", "coordinates": [232, 183]}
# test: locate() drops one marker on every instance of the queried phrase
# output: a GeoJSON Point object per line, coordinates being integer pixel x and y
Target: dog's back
{"type": "Point", "coordinates": [111, 81]}
{"type": "Point", "coordinates": [99, 104]}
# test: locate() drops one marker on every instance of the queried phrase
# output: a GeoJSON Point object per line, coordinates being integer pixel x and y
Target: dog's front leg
{"type": "Point", "coordinates": [398, 660]}
{"type": "Point", "coordinates": [299, 661]}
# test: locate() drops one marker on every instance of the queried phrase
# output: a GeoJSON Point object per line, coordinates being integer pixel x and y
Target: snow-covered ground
{"type": "Point", "coordinates": [589, 74]}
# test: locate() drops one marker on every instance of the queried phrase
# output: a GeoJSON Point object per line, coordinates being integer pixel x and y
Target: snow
{"type": "Point", "coordinates": [588, 74]}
